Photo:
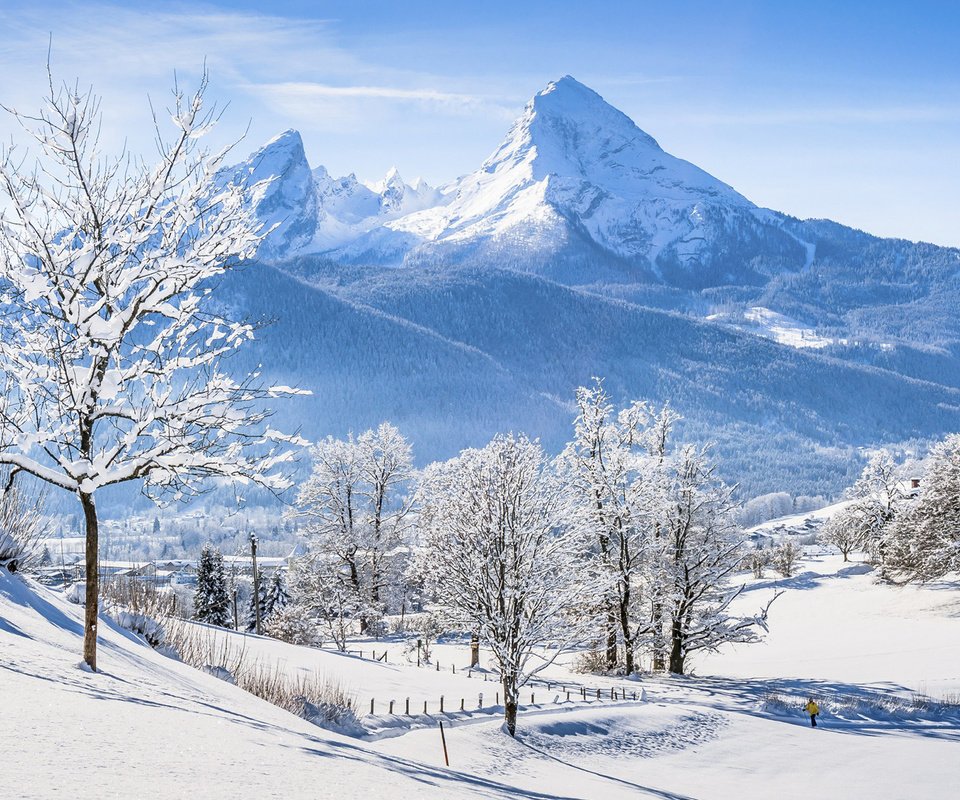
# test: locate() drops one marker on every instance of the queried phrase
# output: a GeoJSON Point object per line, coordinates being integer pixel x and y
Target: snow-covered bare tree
{"type": "Point", "coordinates": [705, 550]}
{"type": "Point", "coordinates": [842, 531]}
{"type": "Point", "coordinates": [356, 508]}
{"type": "Point", "coordinates": [864, 524]}
{"type": "Point", "coordinates": [615, 465]}
{"type": "Point", "coordinates": [211, 601]}
{"type": "Point", "coordinates": [785, 557]}
{"type": "Point", "coordinates": [924, 539]}
{"type": "Point", "coordinates": [325, 592]}
{"type": "Point", "coordinates": [499, 550]}
{"type": "Point", "coordinates": [111, 356]}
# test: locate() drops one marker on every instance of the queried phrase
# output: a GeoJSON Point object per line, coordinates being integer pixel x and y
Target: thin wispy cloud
{"type": "Point", "coordinates": [275, 71]}
{"type": "Point", "coordinates": [315, 100]}
{"type": "Point", "coordinates": [840, 115]}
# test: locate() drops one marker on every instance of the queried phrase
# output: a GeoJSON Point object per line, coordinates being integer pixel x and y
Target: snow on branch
{"type": "Point", "coordinates": [111, 356]}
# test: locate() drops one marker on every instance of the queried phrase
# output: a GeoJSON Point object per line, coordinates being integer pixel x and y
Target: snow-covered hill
{"type": "Point", "coordinates": [148, 724]}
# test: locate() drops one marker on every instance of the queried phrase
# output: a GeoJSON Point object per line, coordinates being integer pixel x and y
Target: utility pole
{"type": "Point", "coordinates": [256, 580]}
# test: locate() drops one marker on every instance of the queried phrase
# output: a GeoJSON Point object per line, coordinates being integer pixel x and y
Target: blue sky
{"type": "Point", "coordinates": [843, 110]}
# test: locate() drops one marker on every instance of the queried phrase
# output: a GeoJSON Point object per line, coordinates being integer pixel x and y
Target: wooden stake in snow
{"type": "Point", "coordinates": [443, 738]}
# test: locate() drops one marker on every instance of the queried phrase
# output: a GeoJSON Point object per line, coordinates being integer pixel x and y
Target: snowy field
{"type": "Point", "coordinates": [734, 730]}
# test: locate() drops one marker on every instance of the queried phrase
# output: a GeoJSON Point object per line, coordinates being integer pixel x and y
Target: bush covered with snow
{"type": "Point", "coordinates": [76, 592]}
{"type": "Point", "coordinates": [293, 624]}
{"type": "Point", "coordinates": [142, 625]}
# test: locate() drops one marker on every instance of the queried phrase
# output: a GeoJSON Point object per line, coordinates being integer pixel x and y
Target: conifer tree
{"type": "Point", "coordinates": [256, 597]}
{"type": "Point", "coordinates": [278, 597]}
{"type": "Point", "coordinates": [211, 601]}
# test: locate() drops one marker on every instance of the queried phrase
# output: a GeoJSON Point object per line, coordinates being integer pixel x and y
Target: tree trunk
{"type": "Point", "coordinates": [659, 654]}
{"type": "Point", "coordinates": [676, 649]}
{"type": "Point", "coordinates": [625, 629]}
{"type": "Point", "coordinates": [510, 704]}
{"type": "Point", "coordinates": [611, 637]}
{"type": "Point", "coordinates": [91, 608]}
{"type": "Point", "coordinates": [474, 649]}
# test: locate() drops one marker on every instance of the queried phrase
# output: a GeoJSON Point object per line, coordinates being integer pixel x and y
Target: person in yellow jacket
{"type": "Point", "coordinates": [813, 710]}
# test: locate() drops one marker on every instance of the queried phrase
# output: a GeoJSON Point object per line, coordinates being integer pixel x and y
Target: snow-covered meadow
{"type": "Point", "coordinates": [735, 728]}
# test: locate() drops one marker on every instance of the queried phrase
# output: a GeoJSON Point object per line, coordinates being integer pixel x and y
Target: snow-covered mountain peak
{"type": "Point", "coordinates": [281, 154]}
{"type": "Point", "coordinates": [572, 174]}
{"type": "Point", "coordinates": [279, 187]}
{"type": "Point", "coordinates": [573, 165]}
{"type": "Point", "coordinates": [565, 112]}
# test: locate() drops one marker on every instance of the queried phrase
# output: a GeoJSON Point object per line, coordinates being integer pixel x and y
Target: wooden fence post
{"type": "Point", "coordinates": [408, 707]}
{"type": "Point", "coordinates": [371, 705]}
{"type": "Point", "coordinates": [441, 704]}
{"type": "Point", "coordinates": [424, 706]}
{"type": "Point", "coordinates": [461, 703]}
{"type": "Point", "coordinates": [391, 708]}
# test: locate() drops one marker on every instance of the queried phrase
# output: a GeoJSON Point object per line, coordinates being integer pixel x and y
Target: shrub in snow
{"type": "Point", "coordinates": [756, 562]}
{"type": "Point", "coordinates": [76, 592]}
{"type": "Point", "coordinates": [785, 557]}
{"type": "Point", "coordinates": [294, 624]}
{"type": "Point", "coordinates": [333, 710]}
{"type": "Point", "coordinates": [591, 661]}
{"type": "Point", "coordinates": [139, 597]}
{"type": "Point", "coordinates": [142, 625]}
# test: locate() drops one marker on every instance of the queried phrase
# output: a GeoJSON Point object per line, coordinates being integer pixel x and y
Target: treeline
{"type": "Point", "coordinates": [625, 543]}
{"type": "Point", "coordinates": [908, 523]}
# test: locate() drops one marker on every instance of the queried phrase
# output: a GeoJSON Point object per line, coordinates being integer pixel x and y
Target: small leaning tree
{"type": "Point", "coordinates": [110, 357]}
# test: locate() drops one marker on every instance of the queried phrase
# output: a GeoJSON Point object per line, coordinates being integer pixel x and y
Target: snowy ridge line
{"type": "Point", "coordinates": [399, 724]}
